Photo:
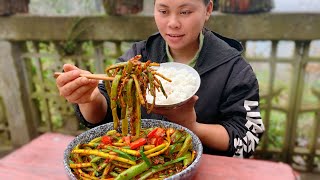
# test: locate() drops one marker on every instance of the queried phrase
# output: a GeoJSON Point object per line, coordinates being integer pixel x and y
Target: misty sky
{"type": "Point", "coordinates": [297, 6]}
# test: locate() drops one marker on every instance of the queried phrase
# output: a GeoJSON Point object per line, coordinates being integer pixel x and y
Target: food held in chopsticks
{"type": "Point", "coordinates": [132, 80]}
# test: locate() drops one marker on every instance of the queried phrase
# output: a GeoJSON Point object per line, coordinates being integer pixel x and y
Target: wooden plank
{"type": "Point", "coordinates": [122, 7]}
{"type": "Point", "coordinates": [14, 93]}
{"type": "Point", "coordinates": [296, 93]}
{"type": "Point", "coordinates": [265, 26]}
{"type": "Point", "coordinates": [246, 6]}
{"type": "Point", "coordinates": [14, 6]}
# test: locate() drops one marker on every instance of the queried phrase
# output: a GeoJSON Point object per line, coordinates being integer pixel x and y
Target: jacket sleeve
{"type": "Point", "coordinates": [108, 117]}
{"type": "Point", "coordinates": [134, 50]}
{"type": "Point", "coordinates": [241, 113]}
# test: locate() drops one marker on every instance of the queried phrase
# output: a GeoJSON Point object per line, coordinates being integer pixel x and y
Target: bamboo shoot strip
{"type": "Point", "coordinates": [129, 108]}
{"type": "Point", "coordinates": [114, 89]}
{"type": "Point", "coordinates": [137, 114]}
{"type": "Point", "coordinates": [104, 155]}
{"type": "Point", "coordinates": [138, 89]}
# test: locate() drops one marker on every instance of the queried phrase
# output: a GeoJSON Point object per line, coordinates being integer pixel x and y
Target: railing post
{"type": "Point", "coordinates": [302, 49]}
{"type": "Point", "coordinates": [15, 92]}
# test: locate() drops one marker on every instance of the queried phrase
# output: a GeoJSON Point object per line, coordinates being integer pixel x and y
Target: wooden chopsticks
{"type": "Point", "coordinates": [89, 76]}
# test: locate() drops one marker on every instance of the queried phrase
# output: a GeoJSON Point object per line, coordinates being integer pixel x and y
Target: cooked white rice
{"type": "Point", "coordinates": [182, 86]}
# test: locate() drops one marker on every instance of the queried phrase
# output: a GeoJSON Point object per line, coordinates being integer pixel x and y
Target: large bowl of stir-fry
{"type": "Point", "coordinates": [163, 150]}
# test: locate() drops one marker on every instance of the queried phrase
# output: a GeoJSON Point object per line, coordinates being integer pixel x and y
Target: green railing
{"type": "Point", "coordinates": [32, 48]}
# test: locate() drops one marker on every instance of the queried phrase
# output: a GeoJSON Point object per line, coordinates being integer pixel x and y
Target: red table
{"type": "Point", "coordinates": [42, 158]}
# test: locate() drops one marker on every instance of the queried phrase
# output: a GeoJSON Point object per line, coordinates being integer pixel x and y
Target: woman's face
{"type": "Point", "coordinates": [180, 21]}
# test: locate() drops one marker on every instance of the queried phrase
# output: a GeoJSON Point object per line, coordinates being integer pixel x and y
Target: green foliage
{"type": "Point", "coordinates": [276, 131]}
{"type": "Point", "coordinates": [48, 59]}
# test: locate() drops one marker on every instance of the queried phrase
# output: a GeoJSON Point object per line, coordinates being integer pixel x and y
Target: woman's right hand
{"type": "Point", "coordinates": [76, 89]}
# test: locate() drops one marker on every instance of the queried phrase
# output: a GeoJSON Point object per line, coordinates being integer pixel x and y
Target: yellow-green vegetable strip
{"type": "Point", "coordinates": [116, 163]}
{"type": "Point", "coordinates": [95, 159]}
{"type": "Point", "coordinates": [129, 151]}
{"type": "Point", "coordinates": [80, 165]}
{"type": "Point", "coordinates": [129, 67]}
{"type": "Point", "coordinates": [185, 146]}
{"type": "Point", "coordinates": [104, 155]}
{"type": "Point", "coordinates": [85, 175]}
{"type": "Point", "coordinates": [138, 114]}
{"type": "Point", "coordinates": [129, 108]}
{"type": "Point", "coordinates": [114, 174]}
{"type": "Point", "coordinates": [151, 171]}
{"type": "Point", "coordinates": [157, 148]}
{"type": "Point", "coordinates": [114, 89]}
{"type": "Point", "coordinates": [96, 140]}
{"type": "Point", "coordinates": [102, 166]}
{"type": "Point", "coordinates": [133, 171]}
{"type": "Point", "coordinates": [107, 85]}
{"type": "Point", "coordinates": [188, 159]}
{"type": "Point", "coordinates": [175, 148]}
{"type": "Point", "coordinates": [169, 163]}
{"type": "Point", "coordinates": [159, 152]}
{"type": "Point", "coordinates": [136, 82]}
{"type": "Point", "coordinates": [111, 132]}
{"type": "Point", "coordinates": [152, 89]}
{"type": "Point", "coordinates": [122, 154]}
{"type": "Point", "coordinates": [106, 170]}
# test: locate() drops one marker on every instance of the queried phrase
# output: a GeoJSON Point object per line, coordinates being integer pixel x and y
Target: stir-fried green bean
{"type": "Point", "coordinates": [114, 89]}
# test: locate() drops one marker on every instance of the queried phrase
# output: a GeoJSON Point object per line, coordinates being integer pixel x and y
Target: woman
{"type": "Point", "coordinates": [224, 113]}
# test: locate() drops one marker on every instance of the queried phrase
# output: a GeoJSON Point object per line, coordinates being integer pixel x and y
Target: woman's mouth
{"type": "Point", "coordinates": [174, 38]}
{"type": "Point", "coordinates": [174, 35]}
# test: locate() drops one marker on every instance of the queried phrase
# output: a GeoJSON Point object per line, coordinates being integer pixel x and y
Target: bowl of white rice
{"type": "Point", "coordinates": [185, 83]}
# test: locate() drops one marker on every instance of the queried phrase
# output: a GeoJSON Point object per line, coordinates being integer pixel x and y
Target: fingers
{"type": "Point", "coordinates": [67, 77]}
{"type": "Point", "coordinates": [69, 67]}
{"type": "Point", "coordinates": [192, 101]}
{"type": "Point", "coordinates": [80, 84]}
{"type": "Point", "coordinates": [71, 73]}
{"type": "Point", "coordinates": [81, 95]}
{"type": "Point", "coordinates": [74, 88]}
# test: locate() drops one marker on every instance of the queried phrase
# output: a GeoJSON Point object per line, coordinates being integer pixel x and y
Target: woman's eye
{"type": "Point", "coordinates": [163, 11]}
{"type": "Point", "coordinates": [185, 12]}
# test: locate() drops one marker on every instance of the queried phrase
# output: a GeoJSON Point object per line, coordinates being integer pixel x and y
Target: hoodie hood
{"type": "Point", "coordinates": [220, 48]}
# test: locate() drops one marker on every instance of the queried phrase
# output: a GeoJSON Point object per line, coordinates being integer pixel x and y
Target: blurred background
{"type": "Point", "coordinates": [281, 40]}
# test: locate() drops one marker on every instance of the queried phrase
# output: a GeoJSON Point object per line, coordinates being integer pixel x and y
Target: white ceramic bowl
{"type": "Point", "coordinates": [87, 136]}
{"type": "Point", "coordinates": [191, 71]}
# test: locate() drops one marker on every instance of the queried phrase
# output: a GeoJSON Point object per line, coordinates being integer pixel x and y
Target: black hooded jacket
{"type": "Point", "coordinates": [228, 95]}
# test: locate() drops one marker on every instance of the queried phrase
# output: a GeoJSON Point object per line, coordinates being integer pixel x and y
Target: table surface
{"type": "Point", "coordinates": [42, 158]}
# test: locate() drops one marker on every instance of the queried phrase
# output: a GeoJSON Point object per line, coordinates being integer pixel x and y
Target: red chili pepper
{"type": "Point", "coordinates": [152, 133]}
{"type": "Point", "coordinates": [160, 132]}
{"type": "Point", "coordinates": [127, 139]}
{"type": "Point", "coordinates": [152, 141]}
{"type": "Point", "coordinates": [159, 141]}
{"type": "Point", "coordinates": [156, 132]}
{"type": "Point", "coordinates": [106, 140]}
{"type": "Point", "coordinates": [136, 144]}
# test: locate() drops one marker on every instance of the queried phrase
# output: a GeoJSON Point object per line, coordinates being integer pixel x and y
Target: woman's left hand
{"type": "Point", "coordinates": [184, 114]}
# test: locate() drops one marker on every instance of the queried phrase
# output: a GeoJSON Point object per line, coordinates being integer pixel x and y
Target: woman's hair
{"type": "Point", "coordinates": [206, 2]}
